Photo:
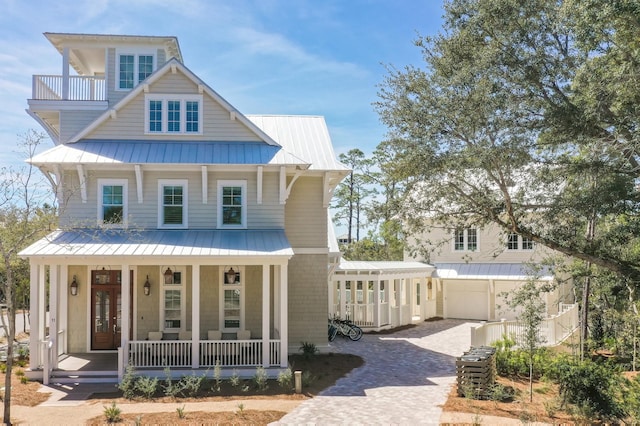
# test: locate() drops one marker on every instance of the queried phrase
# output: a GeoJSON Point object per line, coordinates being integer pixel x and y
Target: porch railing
{"type": "Point", "coordinates": [178, 353]}
{"type": "Point", "coordinates": [79, 88]}
{"type": "Point", "coordinates": [553, 330]}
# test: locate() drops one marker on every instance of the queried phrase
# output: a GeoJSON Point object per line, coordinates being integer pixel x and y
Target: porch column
{"type": "Point", "coordinates": [343, 299]}
{"type": "Point", "coordinates": [276, 303]}
{"type": "Point", "coordinates": [424, 297]}
{"type": "Point", "coordinates": [266, 338]}
{"type": "Point", "coordinates": [284, 313]}
{"type": "Point", "coordinates": [124, 313]}
{"type": "Point", "coordinates": [34, 307]}
{"type": "Point", "coordinates": [54, 271]}
{"type": "Point", "coordinates": [332, 290]}
{"type": "Point", "coordinates": [388, 289]}
{"type": "Point", "coordinates": [376, 303]}
{"type": "Point", "coordinates": [63, 303]}
{"type": "Point", "coordinates": [65, 73]}
{"type": "Point", "coordinates": [195, 317]}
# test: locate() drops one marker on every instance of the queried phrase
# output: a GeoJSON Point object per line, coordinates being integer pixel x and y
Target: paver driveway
{"type": "Point", "coordinates": [406, 376]}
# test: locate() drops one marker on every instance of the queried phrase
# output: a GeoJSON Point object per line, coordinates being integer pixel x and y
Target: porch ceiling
{"type": "Point", "coordinates": [175, 243]}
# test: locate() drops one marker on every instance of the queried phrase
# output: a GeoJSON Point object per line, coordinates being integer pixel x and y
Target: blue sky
{"type": "Point", "coordinates": [317, 57]}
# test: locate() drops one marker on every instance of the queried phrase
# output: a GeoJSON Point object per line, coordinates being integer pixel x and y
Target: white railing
{"type": "Point", "coordinates": [178, 353]}
{"type": "Point", "coordinates": [553, 330]}
{"type": "Point", "coordinates": [361, 314]}
{"type": "Point", "coordinates": [61, 341]}
{"type": "Point", "coordinates": [79, 88]}
{"type": "Point", "coordinates": [384, 313]}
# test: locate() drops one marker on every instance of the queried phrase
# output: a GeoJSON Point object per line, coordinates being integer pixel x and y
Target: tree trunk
{"type": "Point", "coordinates": [8, 291]}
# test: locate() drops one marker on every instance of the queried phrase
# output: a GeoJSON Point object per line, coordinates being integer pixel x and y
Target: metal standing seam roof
{"type": "Point", "coordinates": [175, 243]}
{"type": "Point", "coordinates": [487, 271]}
{"type": "Point", "coordinates": [166, 152]}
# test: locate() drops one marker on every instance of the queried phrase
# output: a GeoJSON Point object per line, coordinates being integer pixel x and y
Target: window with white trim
{"type": "Point", "coordinates": [465, 239]}
{"type": "Point", "coordinates": [519, 242]}
{"type": "Point", "coordinates": [172, 203]}
{"type": "Point", "coordinates": [232, 298]}
{"type": "Point", "coordinates": [112, 202]}
{"type": "Point", "coordinates": [232, 204]}
{"type": "Point", "coordinates": [172, 308]}
{"type": "Point", "coordinates": [173, 114]}
{"type": "Point", "coordinates": [133, 68]}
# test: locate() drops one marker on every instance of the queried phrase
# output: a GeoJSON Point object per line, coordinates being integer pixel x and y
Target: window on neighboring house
{"type": "Point", "coordinates": [518, 242]}
{"type": "Point", "coordinates": [172, 203]}
{"type": "Point", "coordinates": [173, 114]}
{"type": "Point", "coordinates": [133, 68]}
{"type": "Point", "coordinates": [112, 202]}
{"type": "Point", "coordinates": [232, 204]}
{"type": "Point", "coordinates": [173, 301]}
{"type": "Point", "coordinates": [465, 239]}
{"type": "Point", "coordinates": [232, 299]}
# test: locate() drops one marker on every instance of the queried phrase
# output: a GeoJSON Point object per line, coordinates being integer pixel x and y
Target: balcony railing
{"type": "Point", "coordinates": [76, 88]}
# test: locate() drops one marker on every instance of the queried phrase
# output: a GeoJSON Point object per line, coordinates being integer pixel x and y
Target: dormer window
{"type": "Point", "coordinates": [133, 68]}
{"type": "Point", "coordinates": [171, 114]}
{"type": "Point", "coordinates": [465, 239]}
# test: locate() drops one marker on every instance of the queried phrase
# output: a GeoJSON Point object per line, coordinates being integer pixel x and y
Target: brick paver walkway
{"type": "Point", "coordinates": [406, 377]}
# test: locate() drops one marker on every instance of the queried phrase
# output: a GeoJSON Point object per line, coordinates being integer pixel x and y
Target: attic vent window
{"type": "Point", "coordinates": [171, 114]}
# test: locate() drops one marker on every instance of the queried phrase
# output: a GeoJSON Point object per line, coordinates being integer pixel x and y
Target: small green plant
{"type": "Point", "coordinates": [240, 411]}
{"type": "Point", "coordinates": [234, 379]}
{"type": "Point", "coordinates": [307, 379]}
{"type": "Point", "coordinates": [19, 372]}
{"type": "Point", "coordinates": [261, 378]}
{"type": "Point", "coordinates": [181, 412]}
{"type": "Point", "coordinates": [112, 413]}
{"type": "Point", "coordinates": [190, 385]}
{"type": "Point", "coordinates": [3, 368]}
{"type": "Point", "coordinates": [244, 388]}
{"type": "Point", "coordinates": [285, 379]}
{"type": "Point", "coordinates": [551, 407]}
{"type": "Point", "coordinates": [147, 386]}
{"type": "Point", "coordinates": [24, 380]}
{"type": "Point", "coordinates": [138, 420]}
{"type": "Point", "coordinates": [308, 349]}
{"type": "Point", "coordinates": [23, 352]}
{"type": "Point", "coordinates": [217, 377]}
{"type": "Point", "coordinates": [128, 383]}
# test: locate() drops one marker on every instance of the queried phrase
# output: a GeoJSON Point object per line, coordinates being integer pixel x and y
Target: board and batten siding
{"type": "Point", "coordinates": [130, 119]}
{"type": "Point", "coordinates": [268, 215]}
{"type": "Point", "coordinates": [305, 216]}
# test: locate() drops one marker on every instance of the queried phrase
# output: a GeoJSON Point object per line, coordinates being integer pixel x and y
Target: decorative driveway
{"type": "Point", "coordinates": [406, 377]}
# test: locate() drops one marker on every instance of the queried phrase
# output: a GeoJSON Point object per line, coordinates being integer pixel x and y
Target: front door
{"type": "Point", "coordinates": [106, 309]}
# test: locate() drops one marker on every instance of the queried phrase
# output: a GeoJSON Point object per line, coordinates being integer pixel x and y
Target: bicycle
{"type": "Point", "coordinates": [344, 328]}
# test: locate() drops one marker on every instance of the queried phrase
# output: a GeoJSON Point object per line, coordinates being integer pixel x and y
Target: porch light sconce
{"type": "Point", "coordinates": [74, 286]}
{"type": "Point", "coordinates": [230, 276]}
{"type": "Point", "coordinates": [147, 287]}
{"type": "Point", "coordinates": [168, 276]}
{"type": "Point", "coordinates": [429, 285]}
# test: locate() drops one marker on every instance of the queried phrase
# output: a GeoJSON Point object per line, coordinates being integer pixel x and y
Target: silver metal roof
{"type": "Point", "coordinates": [488, 271]}
{"type": "Point", "coordinates": [167, 152]}
{"type": "Point", "coordinates": [175, 243]}
{"type": "Point", "coordinates": [305, 136]}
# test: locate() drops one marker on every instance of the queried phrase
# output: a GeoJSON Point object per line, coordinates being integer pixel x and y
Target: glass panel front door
{"type": "Point", "coordinates": [106, 310]}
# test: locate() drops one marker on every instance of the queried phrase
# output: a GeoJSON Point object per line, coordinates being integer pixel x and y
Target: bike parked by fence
{"type": "Point", "coordinates": [344, 328]}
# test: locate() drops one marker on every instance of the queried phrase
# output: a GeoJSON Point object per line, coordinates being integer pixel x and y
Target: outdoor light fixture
{"type": "Point", "coordinates": [147, 287]}
{"type": "Point", "coordinates": [230, 276]}
{"type": "Point", "coordinates": [74, 286]}
{"type": "Point", "coordinates": [168, 276]}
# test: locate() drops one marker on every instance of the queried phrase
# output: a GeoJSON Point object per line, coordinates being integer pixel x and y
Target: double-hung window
{"type": "Point", "coordinates": [112, 202]}
{"type": "Point", "coordinates": [173, 114]}
{"type": "Point", "coordinates": [172, 203]}
{"type": "Point", "coordinates": [232, 204]}
{"type": "Point", "coordinates": [133, 68]}
{"type": "Point", "coordinates": [172, 300]}
{"type": "Point", "coordinates": [465, 239]}
{"type": "Point", "coordinates": [519, 242]}
{"type": "Point", "coordinates": [232, 298]}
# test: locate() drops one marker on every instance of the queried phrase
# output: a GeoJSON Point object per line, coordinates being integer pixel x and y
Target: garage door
{"type": "Point", "coordinates": [466, 300]}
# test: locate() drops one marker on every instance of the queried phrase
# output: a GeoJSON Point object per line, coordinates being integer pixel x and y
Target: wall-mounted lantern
{"type": "Point", "coordinates": [230, 276]}
{"type": "Point", "coordinates": [74, 286]}
{"type": "Point", "coordinates": [168, 276]}
{"type": "Point", "coordinates": [147, 287]}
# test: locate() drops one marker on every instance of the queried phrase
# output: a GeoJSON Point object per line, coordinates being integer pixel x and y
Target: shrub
{"type": "Point", "coordinates": [217, 377]}
{"type": "Point", "coordinates": [234, 379]}
{"type": "Point", "coordinates": [515, 362]}
{"type": "Point", "coordinates": [285, 379]}
{"type": "Point", "coordinates": [308, 349]}
{"type": "Point", "coordinates": [171, 388]}
{"type": "Point", "coordinates": [147, 386]}
{"type": "Point", "coordinates": [190, 385]}
{"type": "Point", "coordinates": [128, 383]}
{"type": "Point", "coordinates": [112, 413]}
{"type": "Point", "coordinates": [261, 378]}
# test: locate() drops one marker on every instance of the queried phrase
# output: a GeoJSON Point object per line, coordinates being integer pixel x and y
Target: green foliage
{"type": "Point", "coordinates": [632, 398]}
{"type": "Point", "coordinates": [235, 379]}
{"type": "Point", "coordinates": [595, 388]}
{"type": "Point", "coordinates": [307, 378]}
{"type": "Point", "coordinates": [512, 362]}
{"type": "Point", "coordinates": [146, 386]}
{"type": "Point", "coordinates": [285, 379]}
{"type": "Point", "coordinates": [217, 377]}
{"type": "Point", "coordinates": [112, 413]}
{"type": "Point", "coordinates": [181, 412]}
{"type": "Point", "coordinates": [128, 383]}
{"type": "Point", "coordinates": [308, 349]}
{"type": "Point", "coordinates": [191, 384]}
{"type": "Point", "coordinates": [261, 378]}
{"type": "Point", "coordinates": [171, 387]}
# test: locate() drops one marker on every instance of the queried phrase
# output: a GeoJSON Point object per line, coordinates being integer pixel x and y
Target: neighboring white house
{"type": "Point", "coordinates": [474, 268]}
{"type": "Point", "coordinates": [190, 233]}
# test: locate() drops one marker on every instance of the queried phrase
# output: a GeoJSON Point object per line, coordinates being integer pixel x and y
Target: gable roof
{"type": "Point", "coordinates": [174, 65]}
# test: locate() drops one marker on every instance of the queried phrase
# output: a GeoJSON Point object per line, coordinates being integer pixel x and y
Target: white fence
{"type": "Point", "coordinates": [78, 88]}
{"type": "Point", "coordinates": [552, 331]}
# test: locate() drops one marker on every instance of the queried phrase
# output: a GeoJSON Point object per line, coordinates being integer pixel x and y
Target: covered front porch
{"type": "Point", "coordinates": [381, 295]}
{"type": "Point", "coordinates": [201, 299]}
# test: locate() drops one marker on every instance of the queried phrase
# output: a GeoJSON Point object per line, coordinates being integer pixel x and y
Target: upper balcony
{"type": "Point", "coordinates": [72, 88]}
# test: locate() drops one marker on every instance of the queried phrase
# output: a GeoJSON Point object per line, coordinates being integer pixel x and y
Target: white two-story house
{"type": "Point", "coordinates": [190, 233]}
{"type": "Point", "coordinates": [475, 268]}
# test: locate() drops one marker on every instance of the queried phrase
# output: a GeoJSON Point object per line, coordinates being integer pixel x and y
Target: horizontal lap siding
{"type": "Point", "coordinates": [72, 122]}
{"type": "Point", "coordinates": [308, 295]}
{"type": "Point", "coordinates": [305, 216]}
{"type": "Point", "coordinates": [130, 120]}
{"type": "Point", "coordinates": [268, 215]}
